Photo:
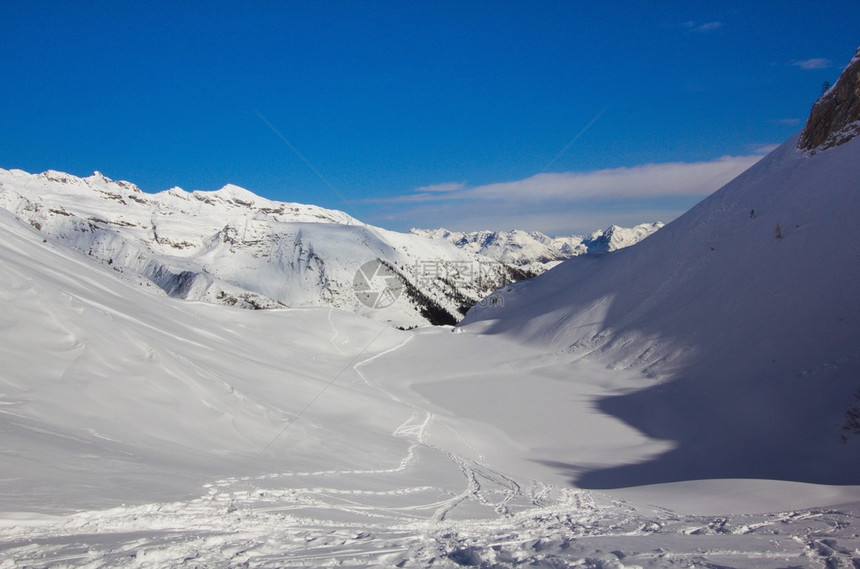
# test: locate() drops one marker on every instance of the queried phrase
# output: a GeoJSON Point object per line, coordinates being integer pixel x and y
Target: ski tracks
{"type": "Point", "coordinates": [335, 333]}
{"type": "Point", "coordinates": [483, 485]}
{"type": "Point", "coordinates": [259, 529]}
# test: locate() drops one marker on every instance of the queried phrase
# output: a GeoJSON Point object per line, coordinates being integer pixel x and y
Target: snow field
{"type": "Point", "coordinates": [151, 432]}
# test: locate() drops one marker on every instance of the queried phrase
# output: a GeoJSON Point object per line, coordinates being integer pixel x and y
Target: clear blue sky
{"type": "Point", "coordinates": [419, 113]}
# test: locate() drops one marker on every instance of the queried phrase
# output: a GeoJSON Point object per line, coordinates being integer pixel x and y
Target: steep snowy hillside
{"type": "Point", "coordinates": [746, 311]}
{"type": "Point", "coordinates": [233, 247]}
{"type": "Point", "coordinates": [535, 252]}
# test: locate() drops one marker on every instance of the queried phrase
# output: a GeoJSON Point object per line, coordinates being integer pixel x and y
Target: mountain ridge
{"type": "Point", "coordinates": [230, 246]}
{"type": "Point", "coordinates": [536, 252]}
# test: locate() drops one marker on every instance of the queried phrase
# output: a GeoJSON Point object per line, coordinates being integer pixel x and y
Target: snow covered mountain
{"type": "Point", "coordinates": [233, 247]}
{"type": "Point", "coordinates": [535, 252]}
{"type": "Point", "coordinates": [745, 311]}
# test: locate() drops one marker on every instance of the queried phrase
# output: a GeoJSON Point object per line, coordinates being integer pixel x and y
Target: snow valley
{"type": "Point", "coordinates": [679, 402]}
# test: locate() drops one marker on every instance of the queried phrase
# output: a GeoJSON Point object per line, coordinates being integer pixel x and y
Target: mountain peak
{"type": "Point", "coordinates": [57, 176]}
{"type": "Point", "coordinates": [237, 192]}
{"type": "Point", "coordinates": [234, 194]}
{"type": "Point", "coordinates": [835, 117]}
{"type": "Point", "coordinates": [98, 176]}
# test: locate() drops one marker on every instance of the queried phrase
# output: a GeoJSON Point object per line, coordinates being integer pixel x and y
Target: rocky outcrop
{"type": "Point", "coordinates": [835, 117]}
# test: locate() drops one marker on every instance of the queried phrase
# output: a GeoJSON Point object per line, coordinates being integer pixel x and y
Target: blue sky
{"type": "Point", "coordinates": [562, 117]}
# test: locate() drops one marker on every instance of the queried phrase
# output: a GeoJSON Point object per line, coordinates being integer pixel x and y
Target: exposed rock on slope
{"type": "Point", "coordinates": [835, 117]}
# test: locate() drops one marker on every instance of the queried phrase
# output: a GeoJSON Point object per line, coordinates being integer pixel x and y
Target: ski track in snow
{"type": "Point", "coordinates": [336, 333]}
{"type": "Point", "coordinates": [473, 473]}
{"type": "Point", "coordinates": [261, 527]}
{"type": "Point", "coordinates": [337, 518]}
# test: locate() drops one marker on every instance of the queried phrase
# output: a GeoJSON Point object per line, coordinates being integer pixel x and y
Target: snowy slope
{"type": "Point", "coordinates": [232, 247]}
{"type": "Point", "coordinates": [111, 394]}
{"type": "Point", "coordinates": [535, 252]}
{"type": "Point", "coordinates": [745, 311]}
{"type": "Point", "coordinates": [144, 431]}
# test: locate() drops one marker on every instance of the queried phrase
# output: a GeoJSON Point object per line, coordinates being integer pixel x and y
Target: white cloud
{"type": "Point", "coordinates": [794, 121]}
{"type": "Point", "coordinates": [812, 63]}
{"type": "Point", "coordinates": [702, 27]}
{"type": "Point", "coordinates": [765, 148]}
{"type": "Point", "coordinates": [566, 202]}
{"type": "Point", "coordinates": [639, 182]}
{"type": "Point", "coordinates": [444, 187]}
{"type": "Point", "coordinates": [708, 26]}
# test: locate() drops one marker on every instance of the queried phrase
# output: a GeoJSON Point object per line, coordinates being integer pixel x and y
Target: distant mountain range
{"type": "Point", "coordinates": [233, 247]}
{"type": "Point", "coordinates": [535, 252]}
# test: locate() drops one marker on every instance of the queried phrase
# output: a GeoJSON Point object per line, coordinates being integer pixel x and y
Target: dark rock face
{"type": "Point", "coordinates": [835, 117]}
